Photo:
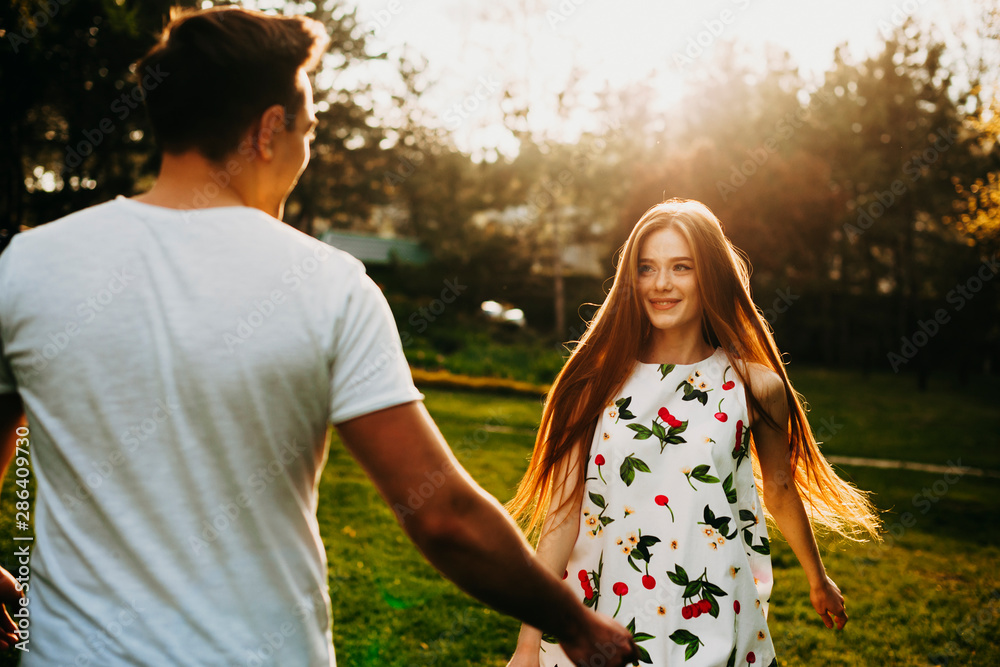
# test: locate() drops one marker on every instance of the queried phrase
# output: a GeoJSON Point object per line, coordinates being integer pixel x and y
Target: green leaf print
{"type": "Point", "coordinates": [720, 523]}
{"type": "Point", "coordinates": [679, 576]}
{"type": "Point", "coordinates": [747, 515]}
{"type": "Point", "coordinates": [640, 637]}
{"type": "Point", "coordinates": [732, 659]}
{"type": "Point", "coordinates": [665, 370]}
{"type": "Point", "coordinates": [713, 589]}
{"type": "Point", "coordinates": [659, 431]}
{"type": "Point", "coordinates": [596, 577]}
{"type": "Point", "coordinates": [629, 467]}
{"type": "Point", "coordinates": [692, 394]}
{"type": "Point", "coordinates": [641, 432]}
{"type": "Point", "coordinates": [627, 472]}
{"type": "Point", "coordinates": [700, 473]}
{"type": "Point", "coordinates": [764, 548]}
{"type": "Point", "coordinates": [623, 411]}
{"type": "Point", "coordinates": [641, 551]}
{"type": "Point", "coordinates": [666, 436]}
{"type": "Point", "coordinates": [683, 637]}
{"type": "Point", "coordinates": [727, 486]}
{"type": "Point", "coordinates": [597, 526]}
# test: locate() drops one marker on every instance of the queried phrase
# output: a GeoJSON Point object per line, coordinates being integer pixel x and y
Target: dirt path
{"type": "Point", "coordinates": [910, 465]}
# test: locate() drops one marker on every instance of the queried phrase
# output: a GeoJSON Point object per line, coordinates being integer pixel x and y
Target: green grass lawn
{"type": "Point", "coordinates": [930, 595]}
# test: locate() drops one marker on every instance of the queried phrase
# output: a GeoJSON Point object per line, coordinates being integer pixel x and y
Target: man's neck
{"type": "Point", "coordinates": [190, 181]}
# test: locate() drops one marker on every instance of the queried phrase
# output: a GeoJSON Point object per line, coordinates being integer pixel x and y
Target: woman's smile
{"type": "Point", "coordinates": [664, 304]}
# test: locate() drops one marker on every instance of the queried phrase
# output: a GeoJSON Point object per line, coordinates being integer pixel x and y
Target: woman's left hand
{"type": "Point", "coordinates": [828, 602]}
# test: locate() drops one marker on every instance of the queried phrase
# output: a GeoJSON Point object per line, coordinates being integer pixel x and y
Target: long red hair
{"type": "Point", "coordinates": [605, 355]}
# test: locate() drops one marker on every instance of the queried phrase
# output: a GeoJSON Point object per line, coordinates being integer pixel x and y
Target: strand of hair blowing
{"type": "Point", "coordinates": [600, 364]}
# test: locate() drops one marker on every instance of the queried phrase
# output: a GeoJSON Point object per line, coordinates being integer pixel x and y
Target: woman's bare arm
{"type": "Point", "coordinates": [782, 498]}
{"type": "Point", "coordinates": [555, 545]}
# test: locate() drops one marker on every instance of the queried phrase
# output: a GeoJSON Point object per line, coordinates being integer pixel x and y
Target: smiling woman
{"type": "Point", "coordinates": [675, 385]}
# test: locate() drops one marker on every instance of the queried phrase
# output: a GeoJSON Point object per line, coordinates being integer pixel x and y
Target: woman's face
{"type": "Point", "coordinates": [667, 284]}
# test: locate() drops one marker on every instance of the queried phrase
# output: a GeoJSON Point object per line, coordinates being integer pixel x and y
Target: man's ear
{"type": "Point", "coordinates": [271, 122]}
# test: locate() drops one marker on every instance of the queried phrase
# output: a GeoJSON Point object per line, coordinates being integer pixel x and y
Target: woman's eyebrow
{"type": "Point", "coordinates": [672, 259]}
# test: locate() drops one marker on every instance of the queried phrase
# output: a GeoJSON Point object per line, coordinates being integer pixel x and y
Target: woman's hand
{"type": "Point", "coordinates": [828, 602]}
{"type": "Point", "coordinates": [10, 598]}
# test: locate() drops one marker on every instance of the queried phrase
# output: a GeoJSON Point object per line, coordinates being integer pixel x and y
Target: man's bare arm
{"type": "Point", "coordinates": [467, 535]}
{"type": "Point", "coordinates": [11, 416]}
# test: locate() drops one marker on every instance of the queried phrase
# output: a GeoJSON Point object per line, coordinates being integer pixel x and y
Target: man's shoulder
{"type": "Point", "coordinates": [46, 239]}
{"type": "Point", "coordinates": [70, 222]}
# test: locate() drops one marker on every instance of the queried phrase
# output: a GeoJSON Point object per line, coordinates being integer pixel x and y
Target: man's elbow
{"type": "Point", "coordinates": [449, 518]}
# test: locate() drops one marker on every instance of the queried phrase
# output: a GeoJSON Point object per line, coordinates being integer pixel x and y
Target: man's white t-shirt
{"type": "Point", "coordinates": [179, 370]}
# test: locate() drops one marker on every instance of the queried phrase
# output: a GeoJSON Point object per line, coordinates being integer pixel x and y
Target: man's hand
{"type": "Point", "coordinates": [601, 641]}
{"type": "Point", "coordinates": [10, 597]}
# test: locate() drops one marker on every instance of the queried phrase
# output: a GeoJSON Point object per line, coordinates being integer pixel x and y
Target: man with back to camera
{"type": "Point", "coordinates": [179, 356]}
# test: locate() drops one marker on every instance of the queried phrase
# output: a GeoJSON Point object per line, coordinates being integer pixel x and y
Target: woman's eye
{"type": "Point", "coordinates": [682, 267]}
{"type": "Point", "coordinates": [645, 268]}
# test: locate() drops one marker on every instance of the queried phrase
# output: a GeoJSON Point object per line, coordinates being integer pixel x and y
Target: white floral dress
{"type": "Point", "coordinates": [672, 539]}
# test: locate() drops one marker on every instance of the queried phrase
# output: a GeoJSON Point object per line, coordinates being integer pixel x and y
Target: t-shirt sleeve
{"type": "Point", "coordinates": [369, 371]}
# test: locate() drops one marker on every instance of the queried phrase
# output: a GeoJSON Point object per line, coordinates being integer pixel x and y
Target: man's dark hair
{"type": "Point", "coordinates": [219, 69]}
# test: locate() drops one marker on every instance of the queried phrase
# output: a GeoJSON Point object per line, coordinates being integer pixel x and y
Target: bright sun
{"type": "Point", "coordinates": [537, 49]}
